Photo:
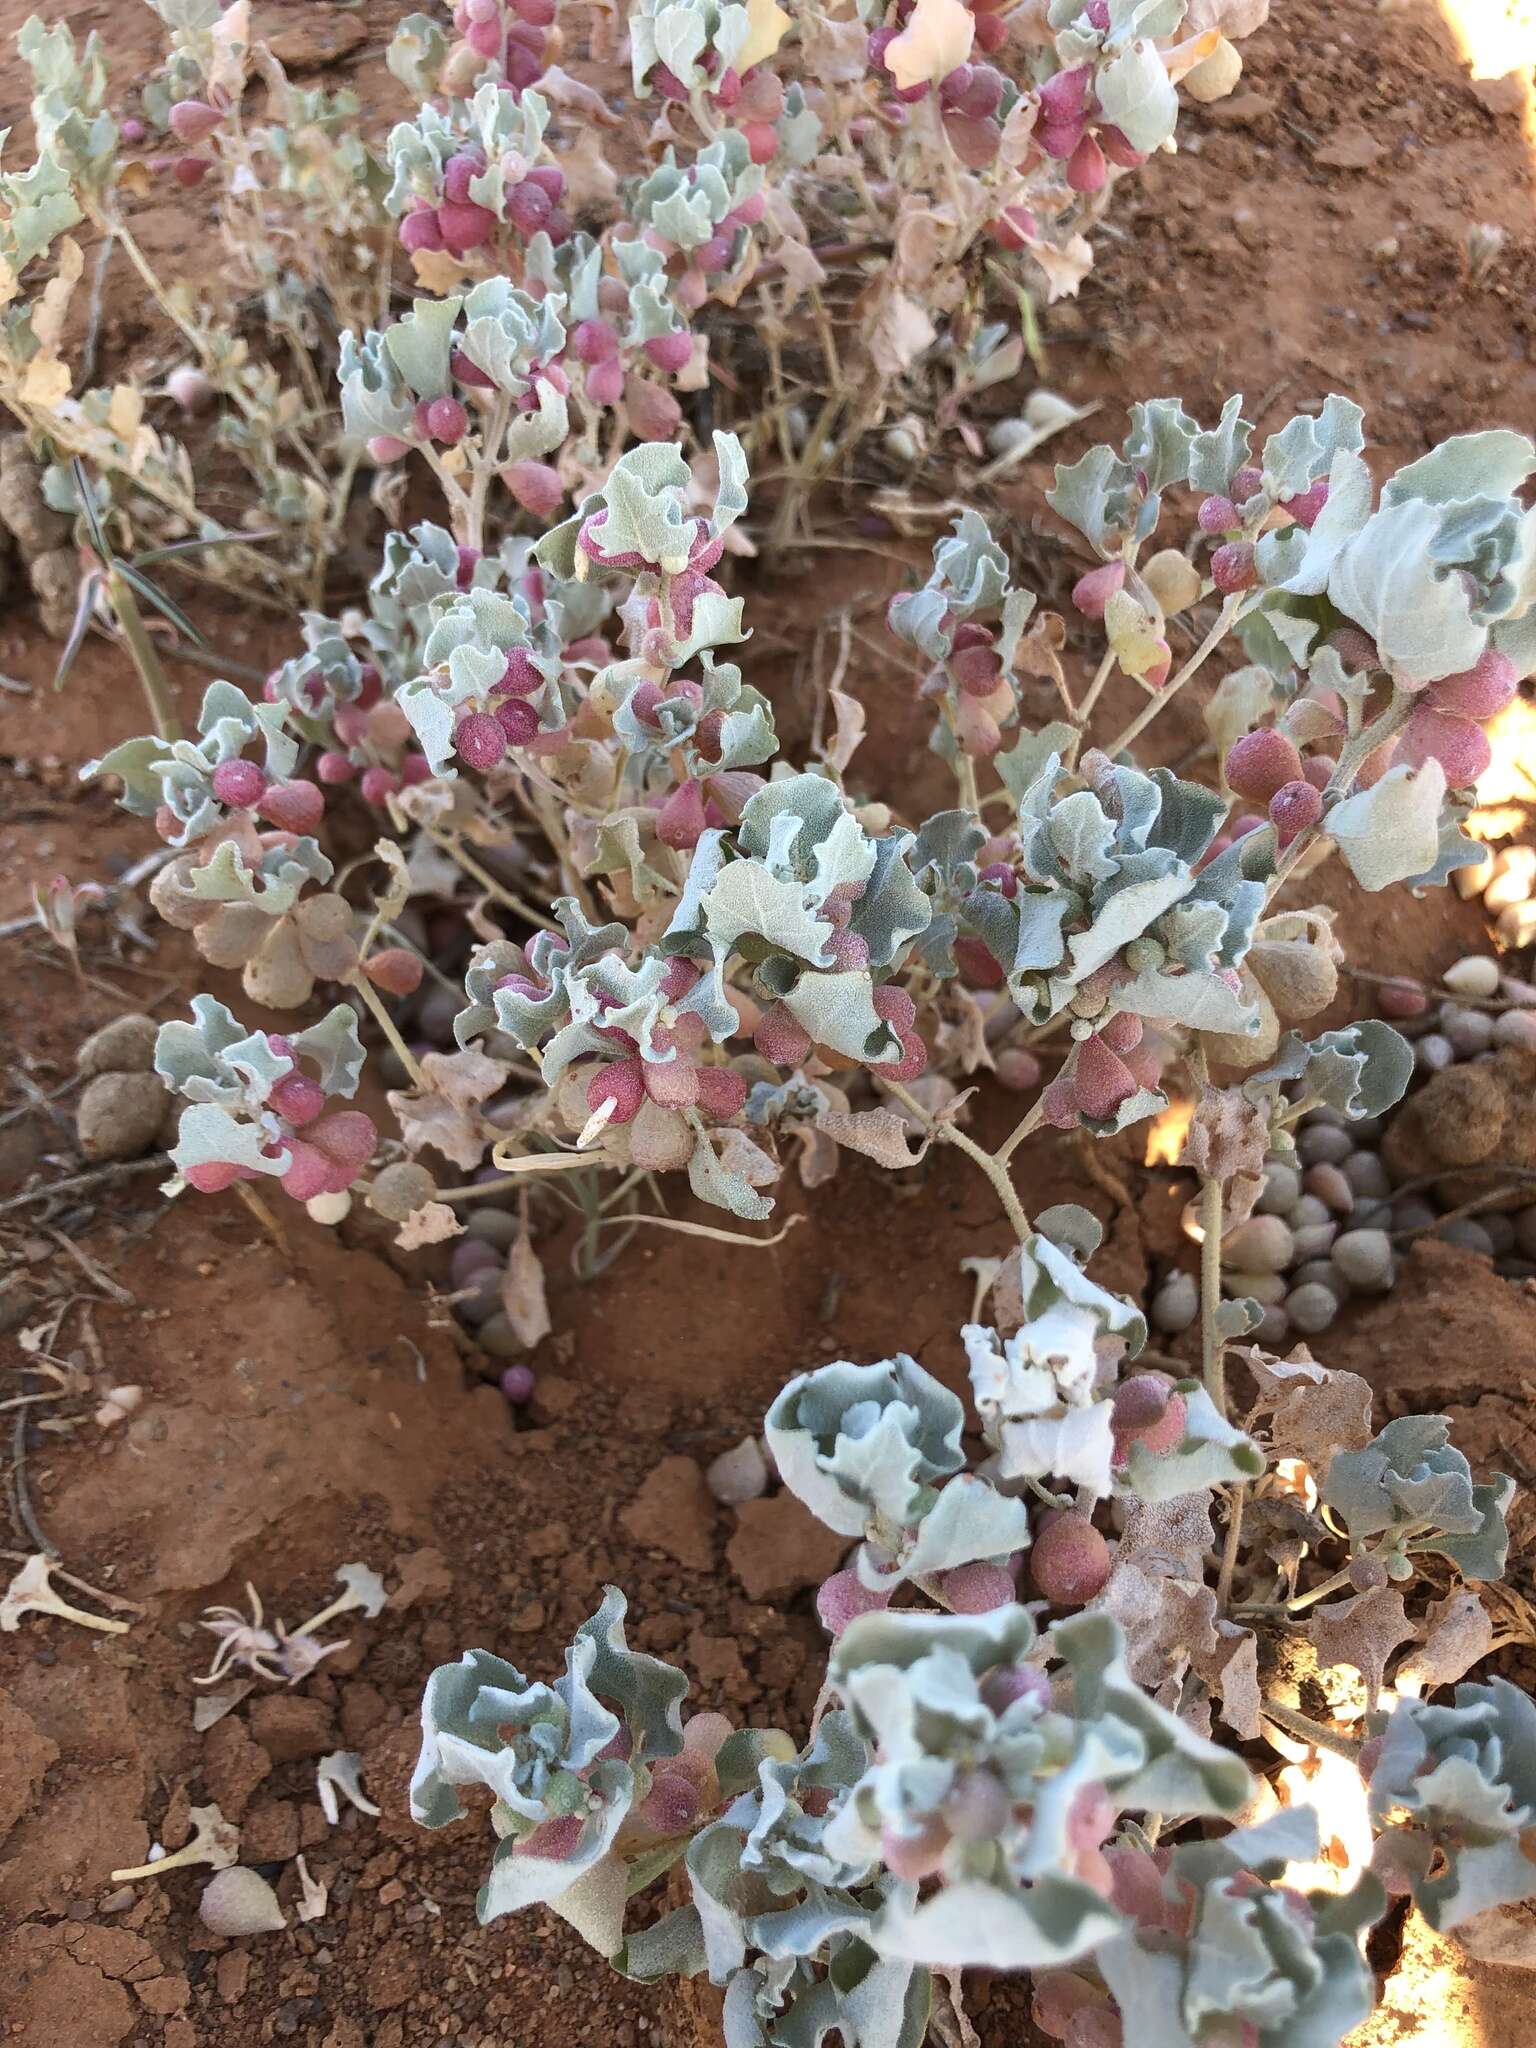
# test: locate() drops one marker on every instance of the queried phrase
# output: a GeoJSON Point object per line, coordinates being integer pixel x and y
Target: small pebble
{"type": "Point", "coordinates": [1476, 975]}
{"type": "Point", "coordinates": [1366, 1131]}
{"type": "Point", "coordinates": [1516, 1027]}
{"type": "Point", "coordinates": [1514, 990]}
{"type": "Point", "coordinates": [496, 1227]}
{"type": "Point", "coordinates": [1330, 1186]}
{"type": "Point", "coordinates": [1321, 1273]}
{"type": "Point", "coordinates": [1367, 1176]}
{"type": "Point", "coordinates": [1265, 1288]}
{"type": "Point", "coordinates": [1516, 926]}
{"type": "Point", "coordinates": [517, 1384]}
{"type": "Point", "coordinates": [1514, 878]}
{"type": "Point", "coordinates": [497, 1337]}
{"type": "Point", "coordinates": [1525, 1231]}
{"type": "Point", "coordinates": [1274, 1327]}
{"type": "Point", "coordinates": [1467, 1232]}
{"type": "Point", "coordinates": [1364, 1257]}
{"type": "Point", "coordinates": [471, 1255]}
{"type": "Point", "coordinates": [1323, 1144]}
{"type": "Point", "coordinates": [1309, 1211]}
{"type": "Point", "coordinates": [1282, 1187]}
{"type": "Point", "coordinates": [1499, 1230]}
{"type": "Point", "coordinates": [1433, 1054]}
{"type": "Point", "coordinates": [1262, 1245]}
{"type": "Point", "coordinates": [1315, 1239]}
{"type": "Point", "coordinates": [1469, 1031]}
{"type": "Point", "coordinates": [1413, 1213]}
{"type": "Point", "coordinates": [739, 1474]}
{"type": "Point", "coordinates": [1311, 1308]}
{"type": "Point", "coordinates": [1176, 1304]}
{"type": "Point", "coordinates": [483, 1300]}
{"type": "Point", "coordinates": [1371, 1216]}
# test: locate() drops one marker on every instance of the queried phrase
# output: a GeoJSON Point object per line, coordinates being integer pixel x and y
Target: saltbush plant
{"type": "Point", "coordinates": [1057, 1621]}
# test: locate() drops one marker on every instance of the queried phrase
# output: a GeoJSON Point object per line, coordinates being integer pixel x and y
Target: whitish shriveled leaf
{"type": "Point", "coordinates": [938, 37]}
{"type": "Point", "coordinates": [1391, 831]}
{"type": "Point", "coordinates": [1313, 1412]}
{"type": "Point", "coordinates": [522, 1291]}
{"type": "Point", "coordinates": [1458, 1634]}
{"type": "Point", "coordinates": [1362, 1631]}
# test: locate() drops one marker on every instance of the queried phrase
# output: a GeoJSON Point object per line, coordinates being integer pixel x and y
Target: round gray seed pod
{"type": "Point", "coordinates": [1364, 1258]}
{"type": "Point", "coordinates": [1311, 1308]}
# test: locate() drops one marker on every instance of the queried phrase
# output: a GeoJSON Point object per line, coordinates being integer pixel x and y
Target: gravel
{"type": "Point", "coordinates": [1311, 1308]}
{"type": "Point", "coordinates": [1364, 1257]}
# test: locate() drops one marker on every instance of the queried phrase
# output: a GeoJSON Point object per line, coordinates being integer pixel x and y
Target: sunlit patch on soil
{"type": "Point", "coordinates": [1497, 39]}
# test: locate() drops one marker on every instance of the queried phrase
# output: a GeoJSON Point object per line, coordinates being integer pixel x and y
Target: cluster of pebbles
{"type": "Point", "coordinates": [1507, 885]}
{"type": "Point", "coordinates": [1334, 1221]}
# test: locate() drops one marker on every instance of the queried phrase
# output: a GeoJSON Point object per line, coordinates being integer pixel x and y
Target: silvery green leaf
{"type": "Point", "coordinates": [1023, 764]}
{"type": "Point", "coordinates": [272, 888]}
{"type": "Point", "coordinates": [1135, 93]}
{"type": "Point", "coordinates": [1391, 831]}
{"type": "Point", "coordinates": [986, 1926]}
{"type": "Point", "coordinates": [1341, 519]}
{"type": "Point", "coordinates": [1385, 579]}
{"type": "Point", "coordinates": [533, 434]}
{"type": "Point", "coordinates": [1069, 1227]}
{"type": "Point", "coordinates": [594, 1905]}
{"type": "Point", "coordinates": [1483, 1553]}
{"type": "Point", "coordinates": [972, 565]}
{"type": "Point", "coordinates": [1360, 1069]}
{"type": "Point", "coordinates": [672, 1946]}
{"type": "Point", "coordinates": [727, 1169]}
{"type": "Point", "coordinates": [208, 1135]}
{"type": "Point", "coordinates": [853, 1441]}
{"type": "Point", "coordinates": [1412, 1474]}
{"type": "Point", "coordinates": [416, 53]}
{"type": "Point", "coordinates": [1492, 464]}
{"type": "Point", "coordinates": [1238, 1318]}
{"type": "Point", "coordinates": [893, 909]}
{"type": "Point", "coordinates": [970, 1523]}
{"type": "Point", "coordinates": [1177, 1771]}
{"type": "Point", "coordinates": [1217, 453]}
{"type": "Point", "coordinates": [837, 1010]}
{"type": "Point", "coordinates": [1212, 1453]}
{"type": "Point", "coordinates": [214, 1059]}
{"type": "Point", "coordinates": [918, 617]}
{"type": "Point", "coordinates": [1517, 639]}
{"type": "Point", "coordinates": [40, 207]}
{"type": "Point", "coordinates": [334, 1046]}
{"type": "Point", "coordinates": [1095, 494]}
{"type": "Point", "coordinates": [1457, 849]}
{"type": "Point", "coordinates": [1158, 444]}
{"type": "Point", "coordinates": [1304, 448]}
{"type": "Point", "coordinates": [1465, 1775]}
{"type": "Point", "coordinates": [1278, 633]}
{"type": "Point", "coordinates": [419, 344]}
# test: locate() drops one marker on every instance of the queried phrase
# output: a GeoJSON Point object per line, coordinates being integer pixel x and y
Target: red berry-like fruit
{"type": "Point", "coordinates": [1092, 592]}
{"type": "Point", "coordinates": [293, 806]}
{"type": "Point", "coordinates": [239, 784]}
{"type": "Point", "coordinates": [447, 421]}
{"type": "Point", "coordinates": [1101, 1080]}
{"type": "Point", "coordinates": [1070, 1561]}
{"type": "Point", "coordinates": [1306, 505]}
{"type": "Point", "coordinates": [1294, 808]}
{"type": "Point", "coordinates": [1232, 567]}
{"type": "Point", "coordinates": [478, 738]}
{"type": "Point", "coordinates": [1260, 763]}
{"type": "Point", "coordinates": [1461, 748]}
{"type": "Point", "coordinates": [1478, 692]}
{"type": "Point", "coordinates": [1086, 168]}
{"type": "Point", "coordinates": [1217, 515]}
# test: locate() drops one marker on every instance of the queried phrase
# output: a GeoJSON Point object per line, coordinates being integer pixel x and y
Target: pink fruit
{"type": "Point", "coordinates": [976, 729]}
{"type": "Point", "coordinates": [458, 173]}
{"type": "Point", "coordinates": [1086, 168]}
{"type": "Point", "coordinates": [1118, 148]}
{"type": "Point", "coordinates": [1101, 1081]}
{"type": "Point", "coordinates": [479, 739]}
{"type": "Point", "coordinates": [387, 448]}
{"type": "Point", "coordinates": [722, 1092]}
{"type": "Point", "coordinates": [1064, 96]}
{"type": "Point", "coordinates": [1059, 138]}
{"type": "Point", "coordinates": [1015, 228]}
{"type": "Point", "coordinates": [1092, 592]}
{"type": "Point", "coordinates": [517, 1384]}
{"type": "Point", "coordinates": [1070, 1561]}
{"type": "Point", "coordinates": [1478, 692]}
{"type": "Point", "coordinates": [484, 38]}
{"type": "Point", "coordinates": [1059, 1996]}
{"type": "Point", "coordinates": [1293, 809]}
{"type": "Point", "coordinates": [297, 1099]}
{"type": "Point", "coordinates": [913, 1062]}
{"type": "Point", "coordinates": [378, 783]}
{"type": "Point", "coordinates": [1306, 505]}
{"type": "Point", "coordinates": [843, 1598]}
{"type": "Point", "coordinates": [420, 230]}
{"type": "Point", "coordinates": [470, 373]}
{"type": "Point", "coordinates": [521, 677]}
{"type": "Point", "coordinates": [978, 967]}
{"type": "Point", "coordinates": [762, 140]}
{"type": "Point", "coordinates": [1260, 763]}
{"type": "Point", "coordinates": [1123, 1032]}
{"type": "Point", "coordinates": [593, 341]}
{"type": "Point", "coordinates": [1459, 746]}
{"type": "Point", "coordinates": [893, 1006]}
{"type": "Point", "coordinates": [1010, 1683]}
{"type": "Point", "coordinates": [446, 421]}
{"type": "Point", "coordinates": [132, 131]}
{"type": "Point", "coordinates": [654, 413]}
{"type": "Point", "coordinates": [991, 33]}
{"type": "Point", "coordinates": [977, 1588]}
{"type": "Point", "coordinates": [680, 822]}
{"type": "Point", "coordinates": [1232, 567]}
{"type": "Point", "coordinates": [1018, 1069]}
{"type": "Point", "coordinates": [1402, 999]}
{"type": "Point", "coordinates": [464, 226]}
{"type": "Point", "coordinates": [191, 120]}
{"type": "Point", "coordinates": [978, 1808]}
{"type": "Point", "coordinates": [1148, 1410]}
{"type": "Point", "coordinates": [536, 487]}
{"type": "Point", "coordinates": [1247, 481]}
{"type": "Point", "coordinates": [622, 1084]}
{"type": "Point", "coordinates": [293, 806]}
{"type": "Point", "coordinates": [976, 669]}
{"type": "Point", "coordinates": [849, 952]}
{"type": "Point", "coordinates": [528, 207]}
{"type": "Point", "coordinates": [213, 1176]}
{"type": "Point", "coordinates": [333, 767]}
{"type": "Point", "coordinates": [238, 784]}
{"type": "Point", "coordinates": [191, 170]}
{"type": "Point", "coordinates": [605, 382]}
{"type": "Point", "coordinates": [670, 352]}
{"type": "Point", "coordinates": [1318, 770]}
{"type": "Point", "coordinates": [1217, 515]}
{"type": "Point", "coordinates": [780, 1037]}
{"type": "Point", "coordinates": [672, 1083]}
{"type": "Point", "coordinates": [914, 1853]}
{"type": "Point", "coordinates": [395, 969]}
